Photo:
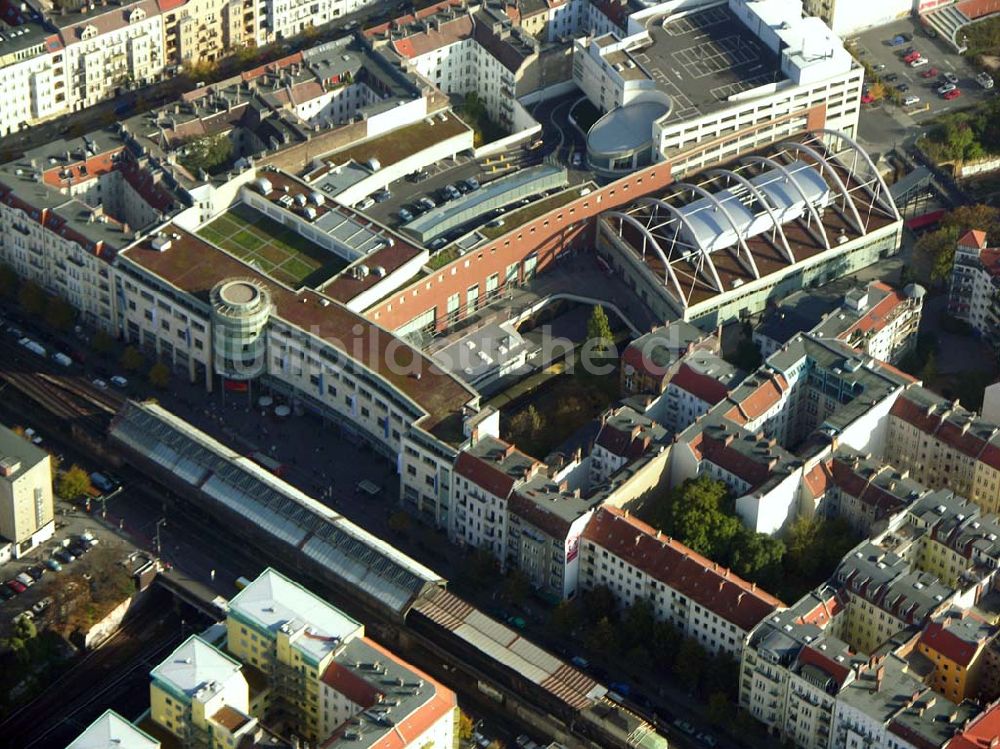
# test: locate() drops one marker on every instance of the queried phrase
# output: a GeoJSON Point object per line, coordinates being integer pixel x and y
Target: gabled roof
{"type": "Point", "coordinates": [973, 238]}
{"type": "Point", "coordinates": [702, 386]}
{"type": "Point", "coordinates": [703, 581]}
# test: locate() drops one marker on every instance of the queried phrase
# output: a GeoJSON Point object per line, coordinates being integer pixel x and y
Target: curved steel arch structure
{"type": "Point", "coordinates": [730, 174]}
{"type": "Point", "coordinates": [825, 166]}
{"type": "Point", "coordinates": [767, 161]}
{"type": "Point", "coordinates": [706, 256]}
{"type": "Point", "coordinates": [669, 274]}
{"type": "Point", "coordinates": [752, 266]}
{"type": "Point", "coordinates": [888, 202]}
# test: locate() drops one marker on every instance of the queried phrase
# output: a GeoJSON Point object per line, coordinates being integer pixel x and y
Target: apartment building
{"type": "Point", "coordinates": [485, 476]}
{"type": "Point", "coordinates": [899, 651]}
{"type": "Point", "coordinates": [699, 598]}
{"type": "Point", "coordinates": [943, 445]}
{"type": "Point", "coordinates": [624, 436]}
{"type": "Point", "coordinates": [111, 729]}
{"type": "Point", "coordinates": [956, 643]}
{"type": "Point", "coordinates": [111, 48]}
{"type": "Point", "coordinates": [326, 679]}
{"type": "Point", "coordinates": [877, 320]}
{"type": "Point", "coordinates": [203, 31]}
{"type": "Point", "coordinates": [465, 49]}
{"type": "Point", "coordinates": [68, 208]}
{"type": "Point", "coordinates": [815, 394]}
{"type": "Point", "coordinates": [862, 489]}
{"type": "Point", "coordinates": [652, 359]}
{"type": "Point", "coordinates": [32, 75]}
{"type": "Point", "coordinates": [200, 695]}
{"type": "Point", "coordinates": [26, 510]}
{"type": "Point", "coordinates": [972, 294]}
{"type": "Point", "coordinates": [980, 731]}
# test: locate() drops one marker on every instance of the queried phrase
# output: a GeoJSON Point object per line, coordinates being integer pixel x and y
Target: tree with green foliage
{"type": "Point", "coordinates": [59, 313]}
{"type": "Point", "coordinates": [929, 372]}
{"type": "Point", "coordinates": [8, 281]}
{"type": "Point", "coordinates": [756, 557]}
{"type": "Point", "coordinates": [564, 618]}
{"type": "Point", "coordinates": [700, 519]}
{"type": "Point", "coordinates": [31, 298]}
{"type": "Point", "coordinates": [598, 603]}
{"type": "Point", "coordinates": [526, 425]}
{"type": "Point", "coordinates": [638, 623]}
{"type": "Point", "coordinates": [102, 343]}
{"type": "Point", "coordinates": [159, 375]}
{"type": "Point", "coordinates": [816, 546]}
{"type": "Point", "coordinates": [599, 333]}
{"type": "Point", "coordinates": [211, 153]}
{"type": "Point", "coordinates": [516, 587]}
{"type": "Point", "coordinates": [601, 637]}
{"type": "Point", "coordinates": [131, 359]}
{"type": "Point", "coordinates": [399, 522]}
{"type": "Point", "coordinates": [720, 709]}
{"type": "Point", "coordinates": [690, 663]}
{"type": "Point", "coordinates": [465, 726]}
{"type": "Point", "coordinates": [666, 643]}
{"type": "Point", "coordinates": [73, 483]}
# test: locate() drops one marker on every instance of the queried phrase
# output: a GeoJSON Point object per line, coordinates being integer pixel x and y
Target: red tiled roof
{"type": "Point", "coordinates": [674, 564]}
{"type": "Point", "coordinates": [448, 32]}
{"type": "Point", "coordinates": [973, 238]}
{"type": "Point", "coordinates": [765, 397]}
{"type": "Point", "coordinates": [981, 730]}
{"type": "Point", "coordinates": [819, 479]}
{"type": "Point", "coordinates": [754, 471]}
{"type": "Point", "coordinates": [408, 729]}
{"type": "Point", "coordinates": [430, 10]}
{"type": "Point", "coordinates": [701, 386]}
{"type": "Point", "coordinates": [990, 259]}
{"type": "Point", "coordinates": [823, 613]}
{"type": "Point", "coordinates": [344, 681]}
{"type": "Point", "coordinates": [968, 442]}
{"type": "Point", "coordinates": [850, 481]}
{"type": "Point", "coordinates": [556, 526]}
{"type": "Point", "coordinates": [939, 639]}
{"type": "Point", "coordinates": [837, 671]}
{"type": "Point", "coordinates": [482, 474]}
{"type": "Point", "coordinates": [877, 316]}
{"type": "Point", "coordinates": [168, 5]}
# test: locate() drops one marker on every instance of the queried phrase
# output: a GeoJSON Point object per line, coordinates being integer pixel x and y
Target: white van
{"type": "Point", "coordinates": [60, 358]}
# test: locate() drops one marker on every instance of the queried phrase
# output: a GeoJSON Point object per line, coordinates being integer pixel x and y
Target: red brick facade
{"type": "Point", "coordinates": [562, 229]}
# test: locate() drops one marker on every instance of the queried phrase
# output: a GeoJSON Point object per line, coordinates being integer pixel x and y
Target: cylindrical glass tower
{"type": "Point", "coordinates": [240, 308]}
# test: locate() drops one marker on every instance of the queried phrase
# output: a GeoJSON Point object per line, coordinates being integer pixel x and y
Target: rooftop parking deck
{"type": "Point", "coordinates": [703, 58]}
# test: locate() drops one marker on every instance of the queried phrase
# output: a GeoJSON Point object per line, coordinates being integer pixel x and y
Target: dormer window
{"type": "Point", "coordinates": [89, 32]}
{"type": "Point", "coordinates": [137, 14]}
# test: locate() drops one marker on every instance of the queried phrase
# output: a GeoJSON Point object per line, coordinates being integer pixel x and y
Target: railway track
{"type": "Point", "coordinates": [67, 397]}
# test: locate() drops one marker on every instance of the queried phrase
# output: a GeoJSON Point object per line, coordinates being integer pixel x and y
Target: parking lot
{"type": "Point", "coordinates": [873, 48]}
{"type": "Point", "coordinates": [71, 524]}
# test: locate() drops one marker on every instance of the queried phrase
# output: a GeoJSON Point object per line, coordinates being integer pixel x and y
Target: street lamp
{"type": "Point", "coordinates": [159, 524]}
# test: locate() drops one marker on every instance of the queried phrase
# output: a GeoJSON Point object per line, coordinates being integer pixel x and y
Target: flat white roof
{"type": "Point", "coordinates": [273, 600]}
{"type": "Point", "coordinates": [112, 731]}
{"type": "Point", "coordinates": [195, 664]}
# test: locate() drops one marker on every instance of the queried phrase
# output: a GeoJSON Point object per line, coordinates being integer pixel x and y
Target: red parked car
{"type": "Point", "coordinates": [953, 94]}
{"type": "Point", "coordinates": [15, 586]}
{"type": "Point", "coordinates": [930, 73]}
{"type": "Point", "coordinates": [914, 55]}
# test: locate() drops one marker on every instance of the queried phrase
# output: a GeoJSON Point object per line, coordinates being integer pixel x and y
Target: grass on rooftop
{"type": "Point", "coordinates": [398, 144]}
{"type": "Point", "coordinates": [271, 248]}
{"type": "Point", "coordinates": [521, 216]}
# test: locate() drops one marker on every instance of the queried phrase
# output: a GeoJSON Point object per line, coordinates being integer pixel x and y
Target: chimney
{"type": "Point", "coordinates": [879, 675]}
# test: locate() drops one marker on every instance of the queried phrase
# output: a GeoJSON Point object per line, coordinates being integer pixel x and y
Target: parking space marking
{"type": "Point", "coordinates": [695, 22]}
{"type": "Point", "coordinates": [707, 58]}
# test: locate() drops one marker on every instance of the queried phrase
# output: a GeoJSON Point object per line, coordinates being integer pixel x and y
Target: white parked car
{"type": "Point", "coordinates": [919, 62]}
{"type": "Point", "coordinates": [946, 88]}
{"type": "Point", "coordinates": [119, 382]}
{"type": "Point", "coordinates": [909, 101]}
